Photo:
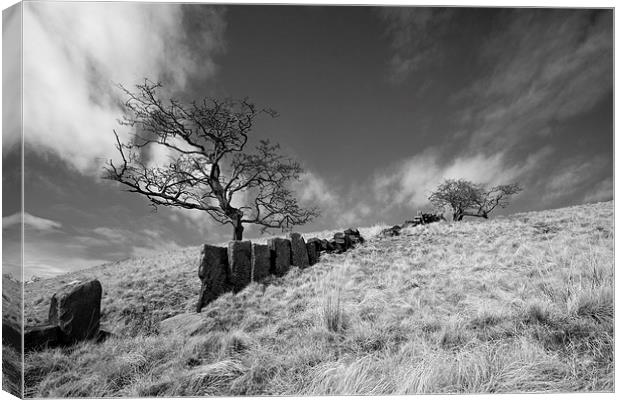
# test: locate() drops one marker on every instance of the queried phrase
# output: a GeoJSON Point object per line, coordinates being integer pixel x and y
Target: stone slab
{"type": "Point", "coordinates": [313, 254]}
{"type": "Point", "coordinates": [214, 273]}
{"type": "Point", "coordinates": [240, 263]}
{"type": "Point", "coordinates": [299, 251]}
{"type": "Point", "coordinates": [261, 262]}
{"type": "Point", "coordinates": [280, 250]}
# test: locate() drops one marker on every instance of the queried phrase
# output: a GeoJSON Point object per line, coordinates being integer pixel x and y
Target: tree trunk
{"type": "Point", "coordinates": [237, 228]}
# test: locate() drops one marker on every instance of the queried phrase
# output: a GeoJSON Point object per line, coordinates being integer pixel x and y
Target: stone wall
{"type": "Point", "coordinates": [420, 219]}
{"type": "Point", "coordinates": [225, 269]}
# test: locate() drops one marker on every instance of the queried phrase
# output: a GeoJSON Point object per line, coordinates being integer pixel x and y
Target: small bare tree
{"type": "Point", "coordinates": [209, 166]}
{"type": "Point", "coordinates": [470, 199]}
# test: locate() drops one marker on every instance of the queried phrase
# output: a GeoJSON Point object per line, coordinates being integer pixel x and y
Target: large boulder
{"type": "Point", "coordinates": [240, 263]}
{"type": "Point", "coordinates": [214, 274]}
{"type": "Point", "coordinates": [76, 310]}
{"type": "Point", "coordinates": [280, 250]}
{"type": "Point", "coordinates": [261, 262]}
{"type": "Point", "coordinates": [299, 251]}
{"type": "Point", "coordinates": [39, 337]}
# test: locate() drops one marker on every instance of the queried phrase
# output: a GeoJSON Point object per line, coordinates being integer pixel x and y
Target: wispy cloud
{"type": "Point", "coordinates": [601, 191]}
{"type": "Point", "coordinates": [411, 181]}
{"type": "Point", "coordinates": [414, 33]}
{"type": "Point", "coordinates": [71, 104]}
{"type": "Point", "coordinates": [541, 67]}
{"type": "Point", "coordinates": [577, 174]}
{"type": "Point", "coordinates": [30, 221]}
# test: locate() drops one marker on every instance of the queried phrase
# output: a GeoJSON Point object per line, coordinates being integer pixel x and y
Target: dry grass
{"type": "Point", "coordinates": [518, 304]}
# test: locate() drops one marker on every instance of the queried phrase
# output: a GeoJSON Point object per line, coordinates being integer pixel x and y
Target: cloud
{"type": "Point", "coordinates": [574, 175]}
{"type": "Point", "coordinates": [602, 191]}
{"type": "Point", "coordinates": [415, 33]}
{"type": "Point", "coordinates": [30, 221]}
{"type": "Point", "coordinates": [411, 181]}
{"type": "Point", "coordinates": [557, 68]}
{"type": "Point", "coordinates": [70, 102]}
{"type": "Point", "coordinates": [312, 189]}
{"type": "Point", "coordinates": [11, 72]}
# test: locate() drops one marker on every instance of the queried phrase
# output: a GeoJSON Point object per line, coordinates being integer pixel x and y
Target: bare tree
{"type": "Point", "coordinates": [470, 199]}
{"type": "Point", "coordinates": [497, 196]}
{"type": "Point", "coordinates": [209, 166]}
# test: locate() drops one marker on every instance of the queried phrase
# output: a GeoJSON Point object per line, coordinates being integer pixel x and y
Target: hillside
{"type": "Point", "coordinates": [516, 304]}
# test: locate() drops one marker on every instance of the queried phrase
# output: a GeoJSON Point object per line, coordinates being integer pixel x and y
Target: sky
{"type": "Point", "coordinates": [379, 105]}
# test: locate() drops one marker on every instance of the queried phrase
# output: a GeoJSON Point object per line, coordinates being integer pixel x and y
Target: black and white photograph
{"type": "Point", "coordinates": [228, 199]}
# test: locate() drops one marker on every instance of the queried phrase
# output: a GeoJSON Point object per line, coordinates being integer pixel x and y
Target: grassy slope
{"type": "Point", "coordinates": [11, 315]}
{"type": "Point", "coordinates": [515, 304]}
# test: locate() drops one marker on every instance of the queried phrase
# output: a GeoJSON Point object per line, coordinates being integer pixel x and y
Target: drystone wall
{"type": "Point", "coordinates": [420, 219]}
{"type": "Point", "coordinates": [230, 269]}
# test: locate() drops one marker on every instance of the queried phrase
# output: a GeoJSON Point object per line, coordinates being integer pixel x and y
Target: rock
{"type": "Point", "coordinates": [39, 337]}
{"type": "Point", "coordinates": [299, 251]}
{"type": "Point", "coordinates": [76, 309]}
{"type": "Point", "coordinates": [240, 263]}
{"type": "Point", "coordinates": [12, 335]}
{"type": "Point", "coordinates": [313, 254]}
{"type": "Point", "coordinates": [354, 236]}
{"type": "Point", "coordinates": [186, 324]}
{"type": "Point", "coordinates": [261, 262]}
{"type": "Point", "coordinates": [326, 246]}
{"type": "Point", "coordinates": [214, 273]}
{"type": "Point", "coordinates": [103, 336]}
{"type": "Point", "coordinates": [333, 246]}
{"type": "Point", "coordinates": [280, 250]}
{"type": "Point", "coordinates": [352, 231]}
{"type": "Point", "coordinates": [316, 242]}
{"type": "Point", "coordinates": [342, 241]}
{"type": "Point", "coordinates": [393, 231]}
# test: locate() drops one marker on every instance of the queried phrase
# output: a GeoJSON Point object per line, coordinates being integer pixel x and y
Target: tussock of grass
{"type": "Point", "coordinates": [517, 304]}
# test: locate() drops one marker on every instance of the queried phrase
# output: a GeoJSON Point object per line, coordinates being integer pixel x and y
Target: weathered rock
{"type": "Point", "coordinates": [240, 263]}
{"type": "Point", "coordinates": [393, 231]}
{"type": "Point", "coordinates": [214, 273]}
{"type": "Point", "coordinates": [352, 231]}
{"type": "Point", "coordinates": [76, 310]}
{"type": "Point", "coordinates": [316, 242]}
{"type": "Point", "coordinates": [326, 246]}
{"type": "Point", "coordinates": [39, 337]}
{"type": "Point", "coordinates": [333, 246]}
{"type": "Point", "coordinates": [261, 262]}
{"type": "Point", "coordinates": [187, 324]}
{"type": "Point", "coordinates": [280, 250]}
{"type": "Point", "coordinates": [342, 241]}
{"type": "Point", "coordinates": [299, 251]}
{"type": "Point", "coordinates": [313, 254]}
